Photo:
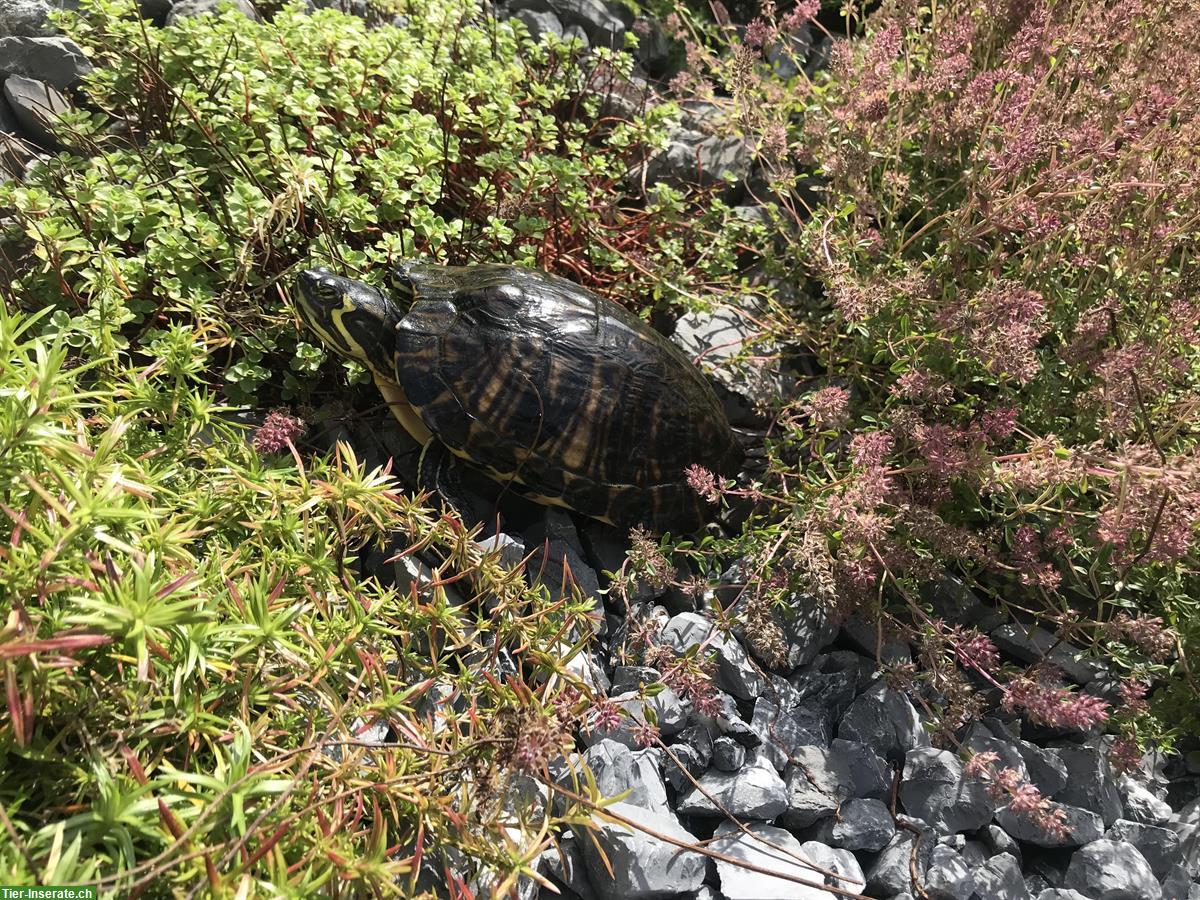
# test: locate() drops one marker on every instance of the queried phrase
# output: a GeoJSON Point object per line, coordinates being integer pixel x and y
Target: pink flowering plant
{"type": "Point", "coordinates": [1004, 320]}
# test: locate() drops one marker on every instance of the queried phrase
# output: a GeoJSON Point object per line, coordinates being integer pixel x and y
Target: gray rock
{"type": "Point", "coordinates": [786, 56]}
{"type": "Point", "coordinates": [1189, 843]}
{"type": "Point", "coordinates": [858, 825]}
{"type": "Point", "coordinates": [686, 759]}
{"type": "Point", "coordinates": [1000, 879]}
{"type": "Point", "coordinates": [953, 601]}
{"type": "Point", "coordinates": [848, 873]}
{"type": "Point", "coordinates": [1112, 870]}
{"type": "Point", "coordinates": [1030, 645]}
{"type": "Point", "coordinates": [732, 351]}
{"type": "Point", "coordinates": [668, 709]}
{"type": "Point", "coordinates": [979, 739]}
{"type": "Point", "coordinates": [997, 840]}
{"type": "Point", "coordinates": [792, 880]}
{"type": "Point", "coordinates": [510, 549]}
{"type": "Point", "coordinates": [1083, 826]}
{"type": "Point", "coordinates": [644, 867]}
{"type": "Point", "coordinates": [1160, 846]}
{"type": "Point", "coordinates": [57, 61]}
{"type": "Point", "coordinates": [575, 33]}
{"type": "Point", "coordinates": [735, 673]}
{"type": "Point", "coordinates": [1046, 768]}
{"type": "Point", "coordinates": [27, 18]}
{"type": "Point", "coordinates": [807, 627]}
{"type": "Point", "coordinates": [8, 119]}
{"type": "Point", "coordinates": [694, 158]}
{"type": "Point", "coordinates": [603, 27]}
{"type": "Point", "coordinates": [976, 854]}
{"type": "Point", "coordinates": [782, 734]}
{"type": "Point", "coordinates": [891, 871]}
{"type": "Point", "coordinates": [885, 720]}
{"type": "Point", "coordinates": [1140, 804]}
{"type": "Point", "coordinates": [1176, 884]}
{"type": "Point", "coordinates": [193, 8]}
{"type": "Point", "coordinates": [564, 864]}
{"type": "Point", "coordinates": [806, 802]}
{"type": "Point", "coordinates": [37, 107]}
{"type": "Point", "coordinates": [606, 548]}
{"type": "Point", "coordinates": [654, 48]}
{"type": "Point", "coordinates": [727, 754]}
{"type": "Point", "coordinates": [820, 780]}
{"type": "Point", "coordinates": [728, 721]}
{"type": "Point", "coordinates": [1060, 894]}
{"type": "Point", "coordinates": [933, 788]}
{"type": "Point", "coordinates": [560, 567]}
{"type": "Point", "coordinates": [617, 769]}
{"type": "Point", "coordinates": [539, 23]}
{"type": "Point", "coordinates": [948, 876]}
{"type": "Point", "coordinates": [865, 637]}
{"type": "Point", "coordinates": [755, 791]}
{"type": "Point", "coordinates": [1090, 784]}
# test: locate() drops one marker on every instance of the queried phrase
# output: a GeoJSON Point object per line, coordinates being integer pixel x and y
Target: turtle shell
{"type": "Point", "coordinates": [564, 394]}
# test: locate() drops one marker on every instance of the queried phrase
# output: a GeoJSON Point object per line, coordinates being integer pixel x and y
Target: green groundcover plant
{"type": "Point", "coordinates": [190, 654]}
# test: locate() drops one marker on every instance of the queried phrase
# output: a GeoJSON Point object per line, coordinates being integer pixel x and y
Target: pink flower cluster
{"type": "Point", "coordinates": [1052, 706]}
{"type": "Point", "coordinates": [278, 432]}
{"type": "Point", "coordinates": [1023, 798]}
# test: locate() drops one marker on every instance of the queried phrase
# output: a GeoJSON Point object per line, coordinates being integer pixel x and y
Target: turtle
{"type": "Point", "coordinates": [561, 394]}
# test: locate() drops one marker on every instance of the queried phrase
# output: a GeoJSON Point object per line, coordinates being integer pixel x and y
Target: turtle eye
{"type": "Point", "coordinates": [321, 286]}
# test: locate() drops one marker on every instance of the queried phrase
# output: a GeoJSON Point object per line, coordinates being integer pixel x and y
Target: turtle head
{"type": "Point", "coordinates": [351, 317]}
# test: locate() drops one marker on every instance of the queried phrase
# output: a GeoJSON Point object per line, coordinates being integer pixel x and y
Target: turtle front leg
{"type": "Point", "coordinates": [439, 470]}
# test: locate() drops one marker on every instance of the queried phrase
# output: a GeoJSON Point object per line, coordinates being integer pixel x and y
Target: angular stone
{"type": "Point", "coordinates": [948, 876]}
{"type": "Point", "coordinates": [511, 549]}
{"type": "Point", "coordinates": [821, 779]}
{"type": "Point", "coordinates": [644, 867]}
{"type": "Point", "coordinates": [865, 637]}
{"type": "Point", "coordinates": [953, 601]}
{"type": "Point", "coordinates": [1090, 784]}
{"type": "Point", "coordinates": [1030, 645]}
{"type": "Point", "coordinates": [999, 841]}
{"type": "Point", "coordinates": [934, 788]}
{"type": "Point", "coordinates": [884, 720]}
{"type": "Point", "coordinates": [727, 754]}
{"type": "Point", "coordinates": [1083, 827]}
{"type": "Point", "coordinates": [1000, 879]}
{"type": "Point", "coordinates": [740, 883]}
{"type": "Point", "coordinates": [782, 734]}
{"type": "Point", "coordinates": [559, 566]}
{"type": "Point", "coordinates": [186, 9]}
{"type": "Point", "coordinates": [753, 792]}
{"type": "Point", "coordinates": [617, 769]}
{"type": "Point", "coordinates": [1112, 870]}
{"type": "Point", "coordinates": [683, 758]}
{"type": "Point", "coordinates": [979, 739]}
{"type": "Point", "coordinates": [890, 872]}
{"type": "Point", "coordinates": [1060, 894]}
{"type": "Point", "coordinates": [836, 690]}
{"type": "Point", "coordinates": [564, 864]}
{"type": "Point", "coordinates": [1177, 885]}
{"type": "Point", "coordinates": [735, 674]}
{"type": "Point", "coordinates": [1159, 846]}
{"type": "Point", "coordinates": [669, 711]}
{"type": "Point", "coordinates": [37, 107]}
{"type": "Point", "coordinates": [806, 803]}
{"type": "Point", "coordinates": [56, 61]}
{"type": "Point", "coordinates": [729, 342]}
{"type": "Point", "coordinates": [1045, 766]}
{"type": "Point", "coordinates": [848, 874]}
{"type": "Point", "coordinates": [28, 18]}
{"type": "Point", "coordinates": [858, 825]}
{"type": "Point", "coordinates": [539, 23]}
{"type": "Point", "coordinates": [1140, 804]}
